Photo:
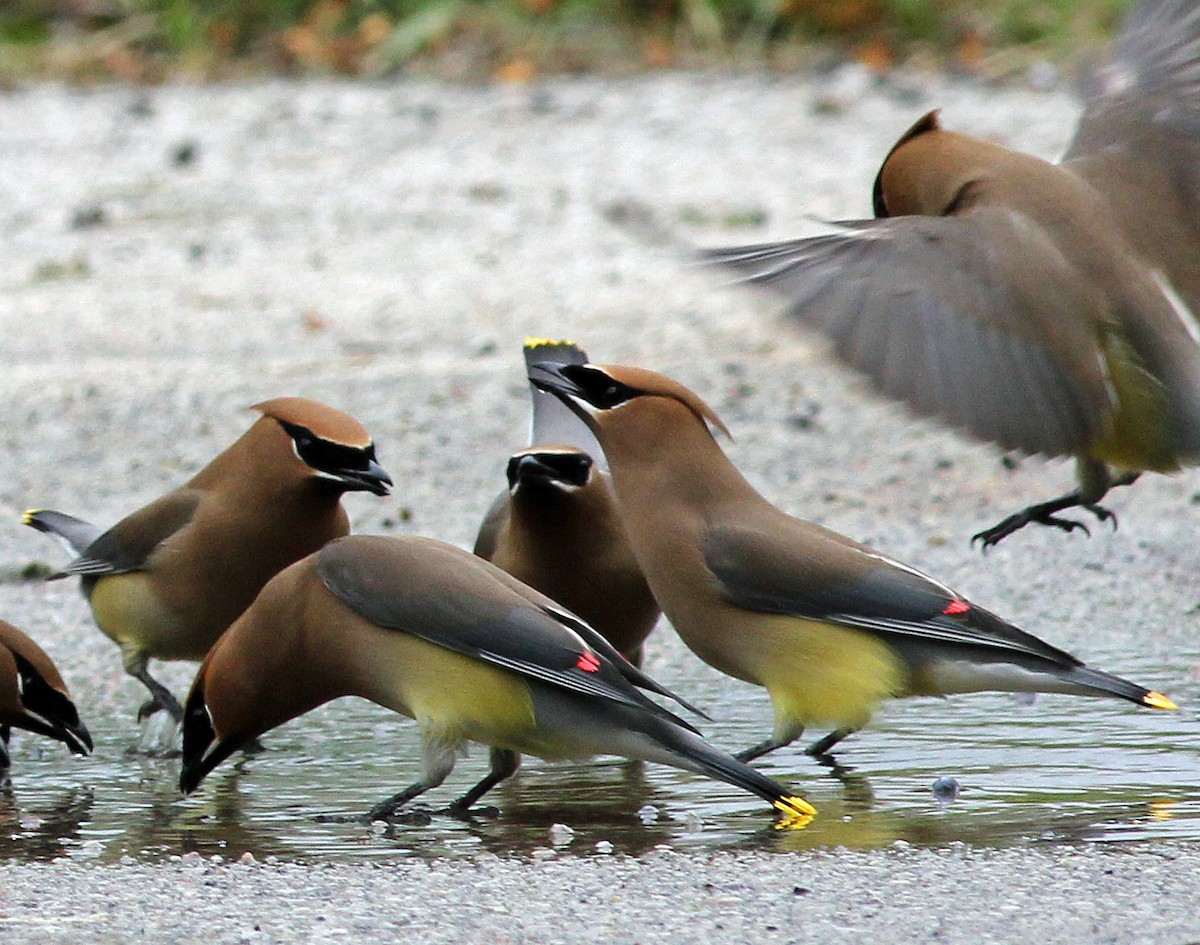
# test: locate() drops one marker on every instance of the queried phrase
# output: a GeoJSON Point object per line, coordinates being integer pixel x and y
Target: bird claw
{"type": "Point", "coordinates": [148, 709]}
{"type": "Point", "coordinates": [1040, 516]}
{"type": "Point", "coordinates": [1103, 515]}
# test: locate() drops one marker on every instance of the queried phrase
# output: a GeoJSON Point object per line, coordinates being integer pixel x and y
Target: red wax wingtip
{"type": "Point", "coordinates": [956, 607]}
{"type": "Point", "coordinates": [588, 663]}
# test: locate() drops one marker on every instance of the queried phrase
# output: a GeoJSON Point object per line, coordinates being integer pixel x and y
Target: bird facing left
{"type": "Point", "coordinates": [167, 580]}
{"type": "Point", "coordinates": [34, 697]}
{"type": "Point", "coordinates": [450, 640]}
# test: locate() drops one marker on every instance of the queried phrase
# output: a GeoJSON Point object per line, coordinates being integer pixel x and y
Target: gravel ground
{"type": "Point", "coordinates": [173, 255]}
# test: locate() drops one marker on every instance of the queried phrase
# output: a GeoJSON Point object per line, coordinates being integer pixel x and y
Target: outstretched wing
{"type": "Point", "coordinates": [968, 318]}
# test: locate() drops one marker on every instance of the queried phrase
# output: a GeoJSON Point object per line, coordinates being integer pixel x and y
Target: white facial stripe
{"type": "Point", "coordinates": [212, 746]}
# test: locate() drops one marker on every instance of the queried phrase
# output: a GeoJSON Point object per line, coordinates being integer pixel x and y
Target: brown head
{"type": "Point", "coordinates": [657, 434]}
{"type": "Point", "coordinates": [328, 445]}
{"type": "Point", "coordinates": [549, 470]}
{"type": "Point", "coordinates": [934, 172]}
{"type": "Point", "coordinates": [599, 393]}
{"type": "Point", "coordinates": [261, 673]}
{"type": "Point", "coordinates": [33, 695]}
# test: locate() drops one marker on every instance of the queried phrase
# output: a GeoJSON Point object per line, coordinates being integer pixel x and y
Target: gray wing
{"type": "Point", "coordinates": [454, 600]}
{"type": "Point", "coordinates": [965, 318]}
{"type": "Point", "coordinates": [1138, 141]}
{"type": "Point", "coordinates": [1152, 77]}
{"type": "Point", "coordinates": [805, 571]}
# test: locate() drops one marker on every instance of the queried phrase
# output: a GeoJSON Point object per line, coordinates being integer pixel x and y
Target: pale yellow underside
{"type": "Point", "coordinates": [820, 674]}
{"type": "Point", "coordinates": [128, 612]}
{"type": "Point", "coordinates": [455, 698]}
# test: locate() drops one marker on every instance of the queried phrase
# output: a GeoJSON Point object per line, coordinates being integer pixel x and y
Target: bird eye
{"type": "Point", "coordinates": [601, 390]}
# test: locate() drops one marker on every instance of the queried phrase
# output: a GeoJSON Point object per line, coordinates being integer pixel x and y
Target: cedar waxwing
{"type": "Point", "coordinates": [34, 697]}
{"type": "Point", "coordinates": [167, 580]}
{"type": "Point", "coordinates": [828, 626]}
{"type": "Point", "coordinates": [1050, 308]}
{"type": "Point", "coordinates": [558, 529]}
{"type": "Point", "coordinates": [448, 639]}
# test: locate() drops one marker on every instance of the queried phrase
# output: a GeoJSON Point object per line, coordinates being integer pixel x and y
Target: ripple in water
{"type": "Point", "coordinates": [1062, 770]}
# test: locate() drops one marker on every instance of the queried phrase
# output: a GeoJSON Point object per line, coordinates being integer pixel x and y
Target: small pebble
{"type": "Point", "coordinates": [946, 790]}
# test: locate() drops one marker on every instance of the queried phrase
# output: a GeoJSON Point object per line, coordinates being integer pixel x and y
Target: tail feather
{"type": "Point", "coordinates": [73, 533]}
{"type": "Point", "coordinates": [698, 755]}
{"type": "Point", "coordinates": [1106, 684]}
{"type": "Point", "coordinates": [552, 423]}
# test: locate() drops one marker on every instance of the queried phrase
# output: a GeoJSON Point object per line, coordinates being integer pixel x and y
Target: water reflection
{"type": "Point", "coordinates": [45, 830]}
{"type": "Point", "coordinates": [1063, 770]}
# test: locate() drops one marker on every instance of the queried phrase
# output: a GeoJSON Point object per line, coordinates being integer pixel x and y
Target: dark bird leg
{"type": "Point", "coordinates": [386, 810]}
{"type": "Point", "coordinates": [1095, 481]}
{"type": "Point", "coordinates": [160, 695]}
{"type": "Point", "coordinates": [5, 731]}
{"type": "Point", "coordinates": [764, 747]}
{"type": "Point", "coordinates": [438, 762]}
{"type": "Point", "coordinates": [821, 748]}
{"type": "Point", "coordinates": [504, 765]}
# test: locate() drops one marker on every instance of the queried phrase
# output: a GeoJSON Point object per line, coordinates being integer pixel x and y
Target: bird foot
{"type": "Point", "coordinates": [147, 709]}
{"type": "Point", "coordinates": [1041, 515]}
{"type": "Point", "coordinates": [415, 817]}
{"type": "Point", "coordinates": [154, 705]}
{"type": "Point", "coordinates": [463, 812]}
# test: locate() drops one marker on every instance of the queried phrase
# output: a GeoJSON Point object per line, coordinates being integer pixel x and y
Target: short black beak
{"type": "Point", "coordinates": [565, 468]}
{"type": "Point", "coordinates": [76, 737]}
{"type": "Point", "coordinates": [201, 750]}
{"type": "Point", "coordinates": [372, 479]}
{"type": "Point", "coordinates": [549, 376]}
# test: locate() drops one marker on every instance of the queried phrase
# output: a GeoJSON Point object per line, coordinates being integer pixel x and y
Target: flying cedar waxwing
{"type": "Point", "coordinates": [166, 581]}
{"type": "Point", "coordinates": [1050, 308]}
{"type": "Point", "coordinates": [557, 527]}
{"type": "Point", "coordinates": [442, 636]}
{"type": "Point", "coordinates": [34, 697]}
{"type": "Point", "coordinates": [830, 627]}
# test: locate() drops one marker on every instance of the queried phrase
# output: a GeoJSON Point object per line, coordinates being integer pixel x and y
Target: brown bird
{"type": "Point", "coordinates": [829, 626]}
{"type": "Point", "coordinates": [166, 581]}
{"type": "Point", "coordinates": [557, 527]}
{"type": "Point", "coordinates": [1050, 308]}
{"type": "Point", "coordinates": [441, 636]}
{"type": "Point", "coordinates": [34, 697]}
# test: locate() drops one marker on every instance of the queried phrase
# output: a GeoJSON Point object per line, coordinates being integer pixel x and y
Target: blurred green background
{"type": "Point", "coordinates": [517, 40]}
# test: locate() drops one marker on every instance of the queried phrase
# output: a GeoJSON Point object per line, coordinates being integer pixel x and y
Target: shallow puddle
{"type": "Point", "coordinates": [1061, 770]}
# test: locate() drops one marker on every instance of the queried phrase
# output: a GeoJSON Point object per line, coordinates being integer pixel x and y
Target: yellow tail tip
{"type": "Point", "coordinates": [795, 813]}
{"type": "Point", "coordinates": [1156, 700]}
{"type": "Point", "coordinates": [28, 514]}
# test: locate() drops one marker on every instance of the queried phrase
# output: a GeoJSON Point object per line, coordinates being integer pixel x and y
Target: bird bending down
{"type": "Point", "coordinates": [1049, 308]}
{"type": "Point", "coordinates": [167, 580]}
{"type": "Point", "coordinates": [557, 527]}
{"type": "Point", "coordinates": [441, 636]}
{"type": "Point", "coordinates": [829, 626]}
{"type": "Point", "coordinates": [34, 697]}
